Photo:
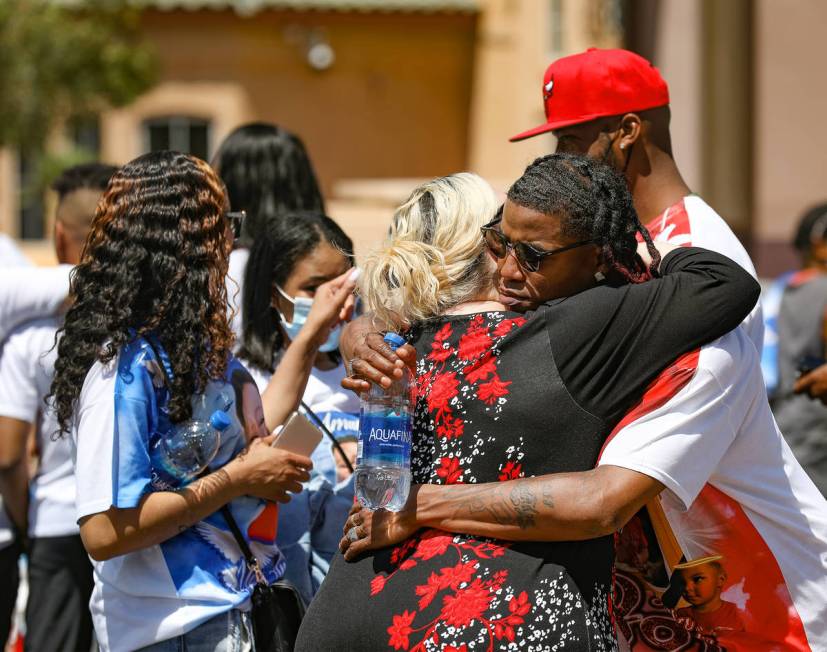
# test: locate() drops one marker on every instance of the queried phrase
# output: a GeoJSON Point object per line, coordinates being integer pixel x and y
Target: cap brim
{"type": "Point", "coordinates": [542, 129]}
{"type": "Point", "coordinates": [551, 126]}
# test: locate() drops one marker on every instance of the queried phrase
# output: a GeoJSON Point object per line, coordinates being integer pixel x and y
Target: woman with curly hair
{"type": "Point", "coordinates": [146, 345]}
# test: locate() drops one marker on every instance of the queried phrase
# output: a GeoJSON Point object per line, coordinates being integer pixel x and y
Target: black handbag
{"type": "Point", "coordinates": [277, 609]}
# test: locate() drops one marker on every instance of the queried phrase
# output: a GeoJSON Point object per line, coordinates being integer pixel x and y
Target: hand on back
{"type": "Point", "coordinates": [370, 359]}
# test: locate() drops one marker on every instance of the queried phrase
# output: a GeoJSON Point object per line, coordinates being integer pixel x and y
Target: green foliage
{"type": "Point", "coordinates": [57, 61]}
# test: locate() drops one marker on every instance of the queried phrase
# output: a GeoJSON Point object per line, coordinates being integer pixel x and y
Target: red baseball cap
{"type": "Point", "coordinates": [595, 84]}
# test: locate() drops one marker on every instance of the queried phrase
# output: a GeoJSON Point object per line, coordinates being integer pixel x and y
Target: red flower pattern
{"type": "Point", "coordinates": [401, 630]}
{"type": "Point", "coordinates": [453, 375]}
{"type": "Point", "coordinates": [506, 325]}
{"type": "Point", "coordinates": [466, 605]}
{"type": "Point", "coordinates": [377, 584]}
{"type": "Point", "coordinates": [494, 389]}
{"type": "Point", "coordinates": [450, 427]}
{"type": "Point", "coordinates": [449, 470]}
{"type": "Point", "coordinates": [473, 344]}
{"type": "Point", "coordinates": [511, 471]}
{"type": "Point", "coordinates": [432, 544]}
{"type": "Point", "coordinates": [440, 353]}
{"type": "Point", "coordinates": [443, 389]}
{"type": "Point", "coordinates": [481, 369]}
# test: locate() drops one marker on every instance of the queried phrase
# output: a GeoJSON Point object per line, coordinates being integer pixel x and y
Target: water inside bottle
{"type": "Point", "coordinates": [375, 485]}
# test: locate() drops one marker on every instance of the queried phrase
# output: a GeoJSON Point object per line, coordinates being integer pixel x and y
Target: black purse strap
{"type": "Point", "coordinates": [329, 434]}
{"type": "Point", "coordinates": [249, 557]}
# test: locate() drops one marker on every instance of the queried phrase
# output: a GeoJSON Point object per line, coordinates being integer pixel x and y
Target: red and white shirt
{"type": "Point", "coordinates": [736, 494]}
{"type": "Point", "coordinates": [693, 223]}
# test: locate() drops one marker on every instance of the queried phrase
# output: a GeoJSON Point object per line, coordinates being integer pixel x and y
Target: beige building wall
{"type": "Point", "coordinates": [512, 52]}
{"type": "Point", "coordinates": [679, 57]}
{"type": "Point", "coordinates": [409, 95]}
{"type": "Point", "coordinates": [790, 143]}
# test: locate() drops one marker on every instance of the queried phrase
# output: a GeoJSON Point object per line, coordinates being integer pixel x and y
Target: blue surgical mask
{"type": "Point", "coordinates": [301, 308]}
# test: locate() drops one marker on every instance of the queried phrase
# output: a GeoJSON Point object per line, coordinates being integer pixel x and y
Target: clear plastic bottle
{"type": "Point", "coordinates": [383, 461]}
{"type": "Point", "coordinates": [180, 455]}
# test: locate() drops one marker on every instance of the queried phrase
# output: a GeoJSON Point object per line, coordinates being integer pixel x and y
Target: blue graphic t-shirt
{"type": "Point", "coordinates": [163, 591]}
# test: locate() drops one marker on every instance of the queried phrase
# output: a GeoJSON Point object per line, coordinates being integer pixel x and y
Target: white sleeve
{"type": "Point", "coordinates": [681, 443]}
{"type": "Point", "coordinates": [94, 436]}
{"type": "Point", "coordinates": [19, 398]}
{"type": "Point", "coordinates": [30, 292]}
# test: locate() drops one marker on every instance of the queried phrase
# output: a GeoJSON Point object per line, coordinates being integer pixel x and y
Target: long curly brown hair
{"type": "Point", "coordinates": [155, 261]}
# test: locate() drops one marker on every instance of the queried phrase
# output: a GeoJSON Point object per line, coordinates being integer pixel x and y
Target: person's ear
{"type": "Point", "coordinates": [630, 131]}
{"type": "Point", "coordinates": [62, 238]}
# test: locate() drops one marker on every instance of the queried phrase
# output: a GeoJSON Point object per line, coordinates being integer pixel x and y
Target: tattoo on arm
{"type": "Point", "coordinates": [524, 502]}
{"type": "Point", "coordinates": [515, 507]}
{"type": "Point", "coordinates": [548, 500]}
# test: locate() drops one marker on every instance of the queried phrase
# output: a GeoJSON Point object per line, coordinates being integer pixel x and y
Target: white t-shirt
{"type": "Point", "coordinates": [235, 288]}
{"type": "Point", "coordinates": [705, 430]}
{"type": "Point", "coordinates": [31, 292]}
{"type": "Point", "coordinates": [336, 407]}
{"type": "Point", "coordinates": [10, 254]}
{"type": "Point", "coordinates": [27, 363]}
{"type": "Point", "coordinates": [165, 590]}
{"type": "Point", "coordinates": [693, 223]}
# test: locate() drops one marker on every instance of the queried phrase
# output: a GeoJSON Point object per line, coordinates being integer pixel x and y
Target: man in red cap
{"type": "Point", "coordinates": [614, 105]}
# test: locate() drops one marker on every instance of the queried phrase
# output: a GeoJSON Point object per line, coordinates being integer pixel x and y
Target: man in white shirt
{"type": "Point", "coordinates": [613, 105]}
{"type": "Point", "coordinates": [737, 509]}
{"type": "Point", "coordinates": [60, 574]}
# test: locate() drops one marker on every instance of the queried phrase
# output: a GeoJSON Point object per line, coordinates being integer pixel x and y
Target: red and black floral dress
{"type": "Point", "coordinates": [503, 397]}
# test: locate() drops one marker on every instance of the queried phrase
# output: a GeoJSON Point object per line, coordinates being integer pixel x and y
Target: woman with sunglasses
{"type": "Point", "coordinates": [506, 541]}
{"type": "Point", "coordinates": [146, 345]}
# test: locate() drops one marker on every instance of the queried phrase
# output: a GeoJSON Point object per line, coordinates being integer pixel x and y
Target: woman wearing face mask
{"type": "Point", "coordinates": [289, 260]}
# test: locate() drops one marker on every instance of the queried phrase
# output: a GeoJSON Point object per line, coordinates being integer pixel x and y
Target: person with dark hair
{"type": "Point", "coordinates": [268, 173]}
{"type": "Point", "coordinates": [613, 105]}
{"type": "Point", "coordinates": [147, 345]}
{"type": "Point", "coordinates": [60, 575]}
{"type": "Point", "coordinates": [288, 262]}
{"type": "Point", "coordinates": [795, 314]}
{"type": "Point", "coordinates": [511, 555]}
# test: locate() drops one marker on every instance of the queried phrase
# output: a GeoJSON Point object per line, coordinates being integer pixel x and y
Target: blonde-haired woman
{"type": "Point", "coordinates": [434, 261]}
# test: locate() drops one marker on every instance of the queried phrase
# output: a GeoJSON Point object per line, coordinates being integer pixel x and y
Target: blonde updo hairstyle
{"type": "Point", "coordinates": [434, 256]}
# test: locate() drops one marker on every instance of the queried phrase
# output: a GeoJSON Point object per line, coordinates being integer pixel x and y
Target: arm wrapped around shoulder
{"type": "Point", "coordinates": [713, 285]}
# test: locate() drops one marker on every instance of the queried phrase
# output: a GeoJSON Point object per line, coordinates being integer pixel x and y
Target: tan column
{"type": "Point", "coordinates": [511, 56]}
{"type": "Point", "coordinates": [9, 193]}
{"type": "Point", "coordinates": [727, 143]}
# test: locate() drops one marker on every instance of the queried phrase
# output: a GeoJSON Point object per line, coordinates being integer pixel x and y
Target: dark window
{"type": "Point", "coordinates": [84, 133]}
{"type": "Point", "coordinates": [179, 133]}
{"type": "Point", "coordinates": [32, 224]}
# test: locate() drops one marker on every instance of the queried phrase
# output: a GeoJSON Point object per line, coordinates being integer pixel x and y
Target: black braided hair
{"type": "Point", "coordinates": [593, 202]}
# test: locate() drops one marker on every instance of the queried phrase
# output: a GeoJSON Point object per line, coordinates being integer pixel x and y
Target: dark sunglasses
{"type": "Point", "coordinates": [528, 257]}
{"type": "Point", "coordinates": [236, 219]}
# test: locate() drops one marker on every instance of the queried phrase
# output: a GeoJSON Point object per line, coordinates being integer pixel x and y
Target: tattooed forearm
{"type": "Point", "coordinates": [524, 502]}
{"type": "Point", "coordinates": [200, 491]}
{"type": "Point", "coordinates": [548, 500]}
{"type": "Point", "coordinates": [517, 507]}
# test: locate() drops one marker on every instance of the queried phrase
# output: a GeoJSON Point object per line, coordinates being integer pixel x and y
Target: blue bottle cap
{"type": "Point", "coordinates": [220, 420]}
{"type": "Point", "coordinates": [394, 340]}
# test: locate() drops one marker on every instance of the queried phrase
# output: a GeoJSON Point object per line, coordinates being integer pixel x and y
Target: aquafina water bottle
{"type": "Point", "coordinates": [383, 460]}
{"type": "Point", "coordinates": [180, 455]}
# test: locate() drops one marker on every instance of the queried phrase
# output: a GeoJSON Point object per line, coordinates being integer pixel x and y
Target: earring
{"type": "Point", "coordinates": [599, 276]}
{"type": "Point", "coordinates": [622, 145]}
